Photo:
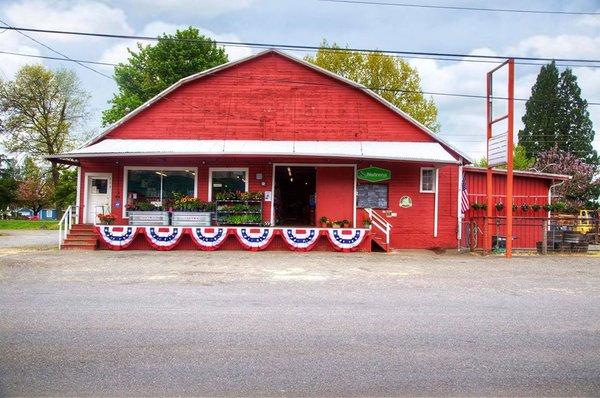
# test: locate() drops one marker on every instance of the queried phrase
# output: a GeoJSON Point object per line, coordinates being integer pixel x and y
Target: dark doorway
{"type": "Point", "coordinates": [294, 195]}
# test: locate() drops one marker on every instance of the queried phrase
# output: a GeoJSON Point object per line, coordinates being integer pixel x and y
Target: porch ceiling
{"type": "Point", "coordinates": [407, 151]}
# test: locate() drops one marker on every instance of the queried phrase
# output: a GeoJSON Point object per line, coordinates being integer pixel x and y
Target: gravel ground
{"type": "Point", "coordinates": [28, 238]}
{"type": "Point", "coordinates": [284, 324]}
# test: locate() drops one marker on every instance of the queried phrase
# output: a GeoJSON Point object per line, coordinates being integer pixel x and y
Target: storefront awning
{"type": "Point", "coordinates": [431, 152]}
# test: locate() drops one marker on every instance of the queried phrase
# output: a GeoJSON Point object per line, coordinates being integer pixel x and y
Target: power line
{"type": "Point", "coordinates": [462, 8]}
{"type": "Point", "coordinates": [268, 80]}
{"type": "Point", "coordinates": [52, 49]}
{"type": "Point", "coordinates": [304, 47]}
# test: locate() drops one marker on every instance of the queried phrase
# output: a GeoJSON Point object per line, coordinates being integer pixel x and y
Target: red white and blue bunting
{"type": "Point", "coordinates": [163, 238]}
{"type": "Point", "coordinates": [346, 239]}
{"type": "Point", "coordinates": [254, 238]}
{"type": "Point", "coordinates": [117, 237]}
{"type": "Point", "coordinates": [300, 239]}
{"type": "Point", "coordinates": [208, 238]}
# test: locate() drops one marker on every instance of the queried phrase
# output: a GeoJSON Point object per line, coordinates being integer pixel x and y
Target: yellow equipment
{"type": "Point", "coordinates": [584, 222]}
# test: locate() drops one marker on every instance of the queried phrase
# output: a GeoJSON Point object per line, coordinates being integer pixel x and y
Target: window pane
{"type": "Point", "coordinates": [99, 185]}
{"type": "Point", "coordinates": [427, 180]}
{"type": "Point", "coordinates": [228, 181]}
{"type": "Point", "coordinates": [180, 182]}
{"type": "Point", "coordinates": [143, 185]}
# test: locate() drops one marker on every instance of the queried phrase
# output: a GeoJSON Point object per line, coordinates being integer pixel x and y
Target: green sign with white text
{"type": "Point", "coordinates": [373, 174]}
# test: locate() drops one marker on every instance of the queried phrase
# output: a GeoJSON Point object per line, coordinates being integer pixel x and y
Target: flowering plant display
{"type": "Point", "coordinates": [107, 219]}
{"type": "Point", "coordinates": [189, 203]}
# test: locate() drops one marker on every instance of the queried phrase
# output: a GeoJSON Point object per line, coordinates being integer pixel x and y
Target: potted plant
{"type": "Point", "coordinates": [559, 207]}
{"type": "Point", "coordinates": [515, 207]}
{"type": "Point", "coordinates": [336, 224]}
{"type": "Point", "coordinates": [499, 206]}
{"type": "Point", "coordinates": [536, 207]}
{"type": "Point", "coordinates": [143, 212]}
{"type": "Point", "coordinates": [324, 222]}
{"type": "Point", "coordinates": [345, 223]}
{"type": "Point", "coordinates": [107, 219]}
{"type": "Point", "coordinates": [367, 223]}
{"type": "Point", "coordinates": [548, 207]}
{"type": "Point", "coordinates": [525, 207]}
{"type": "Point", "coordinates": [191, 212]}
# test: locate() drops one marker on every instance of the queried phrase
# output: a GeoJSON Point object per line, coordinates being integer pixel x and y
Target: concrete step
{"type": "Point", "coordinates": [82, 233]}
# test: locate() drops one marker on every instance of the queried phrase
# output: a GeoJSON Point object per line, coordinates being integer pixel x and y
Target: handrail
{"type": "Point", "coordinates": [380, 223]}
{"type": "Point", "coordinates": [64, 225]}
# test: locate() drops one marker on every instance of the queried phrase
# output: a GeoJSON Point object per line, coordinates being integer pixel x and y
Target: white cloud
{"type": "Point", "coordinates": [87, 16]}
{"type": "Point", "coordinates": [10, 64]}
{"type": "Point", "coordinates": [118, 53]}
{"type": "Point", "coordinates": [186, 8]}
{"type": "Point", "coordinates": [563, 46]}
{"type": "Point", "coordinates": [589, 21]}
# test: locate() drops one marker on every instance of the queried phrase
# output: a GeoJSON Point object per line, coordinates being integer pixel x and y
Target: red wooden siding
{"type": "Point", "coordinates": [335, 193]}
{"type": "Point", "coordinates": [269, 98]}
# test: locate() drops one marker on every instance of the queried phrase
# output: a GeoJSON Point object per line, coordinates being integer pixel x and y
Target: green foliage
{"type": "Point", "coordinates": [556, 115]}
{"type": "Point", "coordinates": [34, 191]}
{"type": "Point", "coordinates": [65, 193]}
{"type": "Point", "coordinates": [520, 160]}
{"type": "Point", "coordinates": [39, 111]}
{"type": "Point", "coordinates": [152, 68]}
{"type": "Point", "coordinates": [401, 82]}
{"type": "Point", "coordinates": [8, 182]}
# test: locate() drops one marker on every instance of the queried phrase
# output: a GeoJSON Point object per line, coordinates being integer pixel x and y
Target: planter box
{"type": "Point", "coordinates": [191, 219]}
{"type": "Point", "coordinates": [148, 218]}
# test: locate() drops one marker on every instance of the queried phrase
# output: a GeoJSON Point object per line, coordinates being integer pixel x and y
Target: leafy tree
{"type": "Point", "coordinates": [153, 68]}
{"type": "Point", "coordinates": [399, 82]}
{"type": "Point", "coordinates": [8, 182]}
{"type": "Point", "coordinates": [34, 191]}
{"type": "Point", "coordinates": [582, 188]}
{"type": "Point", "coordinates": [39, 111]}
{"type": "Point", "coordinates": [520, 160]}
{"type": "Point", "coordinates": [66, 190]}
{"type": "Point", "coordinates": [556, 115]}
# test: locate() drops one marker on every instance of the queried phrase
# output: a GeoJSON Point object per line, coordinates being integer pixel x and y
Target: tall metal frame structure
{"type": "Point", "coordinates": [499, 152]}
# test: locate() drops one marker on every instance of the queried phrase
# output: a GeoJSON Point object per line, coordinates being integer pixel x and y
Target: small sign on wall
{"type": "Point", "coordinates": [267, 196]}
{"type": "Point", "coordinates": [405, 202]}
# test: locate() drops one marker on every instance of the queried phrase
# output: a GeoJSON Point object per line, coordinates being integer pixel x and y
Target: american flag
{"type": "Point", "coordinates": [464, 196]}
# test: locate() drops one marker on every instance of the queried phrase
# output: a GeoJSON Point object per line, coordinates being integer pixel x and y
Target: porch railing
{"type": "Point", "coordinates": [70, 217]}
{"type": "Point", "coordinates": [380, 223]}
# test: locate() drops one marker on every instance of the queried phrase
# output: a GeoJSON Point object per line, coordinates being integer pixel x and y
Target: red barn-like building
{"type": "Point", "coordinates": [315, 144]}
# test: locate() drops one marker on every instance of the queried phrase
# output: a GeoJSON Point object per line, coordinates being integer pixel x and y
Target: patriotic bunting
{"type": "Point", "coordinates": [208, 238]}
{"type": "Point", "coordinates": [163, 238]}
{"type": "Point", "coordinates": [254, 238]}
{"type": "Point", "coordinates": [346, 239]}
{"type": "Point", "coordinates": [300, 239]}
{"type": "Point", "coordinates": [117, 237]}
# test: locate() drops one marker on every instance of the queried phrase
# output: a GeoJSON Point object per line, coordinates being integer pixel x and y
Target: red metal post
{"type": "Point", "coordinates": [509, 168]}
{"type": "Point", "coordinates": [487, 238]}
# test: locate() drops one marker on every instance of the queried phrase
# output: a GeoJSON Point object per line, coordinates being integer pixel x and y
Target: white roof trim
{"type": "Point", "coordinates": [428, 152]}
{"type": "Point", "coordinates": [290, 57]}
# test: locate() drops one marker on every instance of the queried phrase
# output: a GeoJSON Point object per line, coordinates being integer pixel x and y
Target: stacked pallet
{"type": "Point", "coordinates": [565, 242]}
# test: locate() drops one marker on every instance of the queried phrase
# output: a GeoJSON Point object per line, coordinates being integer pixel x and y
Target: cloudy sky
{"type": "Point", "coordinates": [307, 22]}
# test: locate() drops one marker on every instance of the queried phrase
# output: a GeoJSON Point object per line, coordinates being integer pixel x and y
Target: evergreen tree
{"type": "Point", "coordinates": [541, 113]}
{"type": "Point", "coordinates": [557, 116]}
{"type": "Point", "coordinates": [575, 130]}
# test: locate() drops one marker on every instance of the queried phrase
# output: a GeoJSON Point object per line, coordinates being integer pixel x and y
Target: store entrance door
{"type": "Point", "coordinates": [294, 196]}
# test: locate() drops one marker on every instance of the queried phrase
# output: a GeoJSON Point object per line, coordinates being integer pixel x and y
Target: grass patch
{"type": "Point", "coordinates": [28, 224]}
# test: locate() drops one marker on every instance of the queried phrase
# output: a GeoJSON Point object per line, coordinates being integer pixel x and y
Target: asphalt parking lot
{"type": "Point", "coordinates": [284, 324]}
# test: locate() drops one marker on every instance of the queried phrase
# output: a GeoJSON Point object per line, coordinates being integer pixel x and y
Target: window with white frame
{"type": "Point", "coordinates": [227, 180]}
{"type": "Point", "coordinates": [427, 179]}
{"type": "Point", "coordinates": [157, 186]}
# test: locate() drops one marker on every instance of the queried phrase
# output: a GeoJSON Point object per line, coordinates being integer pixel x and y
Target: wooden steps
{"type": "Point", "coordinates": [379, 241]}
{"type": "Point", "coordinates": [81, 237]}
